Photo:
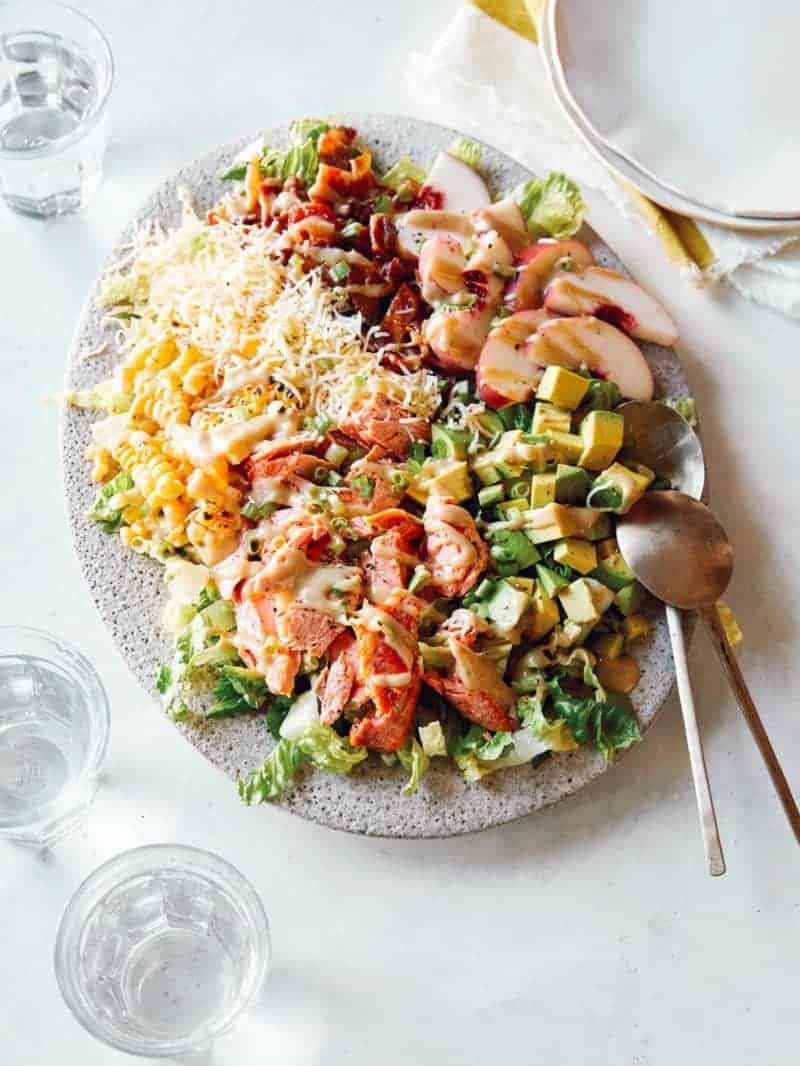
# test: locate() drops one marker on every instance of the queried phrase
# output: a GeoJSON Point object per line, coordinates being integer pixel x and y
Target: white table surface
{"type": "Point", "coordinates": [588, 934]}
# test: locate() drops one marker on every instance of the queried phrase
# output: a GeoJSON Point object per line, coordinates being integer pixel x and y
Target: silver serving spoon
{"type": "Point", "coordinates": [681, 554]}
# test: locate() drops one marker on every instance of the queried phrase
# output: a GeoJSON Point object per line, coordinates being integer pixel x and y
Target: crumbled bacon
{"type": "Point", "coordinates": [402, 315]}
{"type": "Point", "coordinates": [382, 236]}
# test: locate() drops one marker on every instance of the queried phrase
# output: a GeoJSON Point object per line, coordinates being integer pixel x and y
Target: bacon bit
{"type": "Point", "coordinates": [212, 218]}
{"type": "Point", "coordinates": [382, 235]}
{"type": "Point", "coordinates": [477, 283]}
{"type": "Point", "coordinates": [429, 199]}
{"type": "Point", "coordinates": [335, 146]}
{"type": "Point", "coordinates": [369, 307]}
{"type": "Point", "coordinates": [334, 184]}
{"type": "Point", "coordinates": [402, 315]}
{"type": "Point", "coordinates": [297, 214]}
{"type": "Point", "coordinates": [396, 270]}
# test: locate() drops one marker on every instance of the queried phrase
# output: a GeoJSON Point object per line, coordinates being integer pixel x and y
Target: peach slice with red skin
{"type": "Point", "coordinates": [603, 349]}
{"type": "Point", "coordinates": [506, 219]}
{"type": "Point", "coordinates": [441, 267]}
{"type": "Point", "coordinates": [537, 265]}
{"type": "Point", "coordinates": [462, 186]}
{"type": "Point", "coordinates": [504, 373]}
{"type": "Point", "coordinates": [611, 296]}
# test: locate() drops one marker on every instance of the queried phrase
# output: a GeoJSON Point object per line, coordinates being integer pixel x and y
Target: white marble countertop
{"type": "Point", "coordinates": [587, 935]}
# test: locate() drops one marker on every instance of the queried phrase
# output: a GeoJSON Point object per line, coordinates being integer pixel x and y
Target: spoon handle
{"type": "Point", "coordinates": [730, 665]}
{"type": "Point", "coordinates": [712, 846]}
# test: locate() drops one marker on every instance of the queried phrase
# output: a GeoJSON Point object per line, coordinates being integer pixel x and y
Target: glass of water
{"type": "Point", "coordinates": [54, 721]}
{"type": "Point", "coordinates": [160, 950]}
{"type": "Point", "coordinates": [56, 72]}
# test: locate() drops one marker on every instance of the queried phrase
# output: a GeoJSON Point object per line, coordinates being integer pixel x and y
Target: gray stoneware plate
{"type": "Point", "coordinates": [128, 590]}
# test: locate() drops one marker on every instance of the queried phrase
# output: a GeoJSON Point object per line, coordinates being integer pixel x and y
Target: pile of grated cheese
{"type": "Point", "coordinates": [226, 291]}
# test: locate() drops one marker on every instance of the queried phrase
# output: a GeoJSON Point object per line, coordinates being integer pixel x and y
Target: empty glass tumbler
{"type": "Point", "coordinates": [54, 722]}
{"type": "Point", "coordinates": [160, 950]}
{"type": "Point", "coordinates": [56, 73]}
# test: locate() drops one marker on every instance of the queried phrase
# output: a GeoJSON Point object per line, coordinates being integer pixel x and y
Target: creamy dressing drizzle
{"type": "Point", "coordinates": [234, 440]}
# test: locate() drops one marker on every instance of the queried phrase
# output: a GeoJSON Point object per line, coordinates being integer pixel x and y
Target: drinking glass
{"type": "Point", "coordinates": [54, 722]}
{"type": "Point", "coordinates": [56, 73]}
{"type": "Point", "coordinates": [160, 949]}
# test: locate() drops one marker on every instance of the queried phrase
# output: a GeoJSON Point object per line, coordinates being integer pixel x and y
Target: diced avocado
{"type": "Point", "coordinates": [433, 739]}
{"type": "Point", "coordinates": [552, 583]}
{"type": "Point", "coordinates": [498, 655]}
{"type": "Point", "coordinates": [602, 596]}
{"type": "Point", "coordinates": [614, 572]}
{"type": "Point", "coordinates": [544, 615]}
{"type": "Point", "coordinates": [563, 387]}
{"type": "Point", "coordinates": [435, 657]}
{"type": "Point", "coordinates": [572, 483]}
{"type": "Point", "coordinates": [513, 546]}
{"type": "Point", "coordinates": [486, 473]}
{"type": "Point", "coordinates": [619, 487]}
{"type": "Point", "coordinates": [547, 416]}
{"type": "Point", "coordinates": [609, 646]}
{"type": "Point", "coordinates": [566, 447]}
{"type": "Point", "coordinates": [525, 584]}
{"type": "Point", "coordinates": [507, 605]}
{"type": "Point", "coordinates": [607, 547]}
{"type": "Point", "coordinates": [484, 590]}
{"type": "Point", "coordinates": [543, 489]}
{"type": "Point", "coordinates": [441, 477]}
{"type": "Point", "coordinates": [602, 527]}
{"type": "Point", "coordinates": [490, 421]}
{"type": "Point", "coordinates": [510, 508]}
{"type": "Point", "coordinates": [577, 599]}
{"type": "Point", "coordinates": [544, 534]}
{"type": "Point", "coordinates": [553, 522]}
{"type": "Point", "coordinates": [489, 495]}
{"type": "Point", "coordinates": [601, 434]}
{"type": "Point", "coordinates": [448, 442]}
{"type": "Point", "coordinates": [579, 554]}
{"type": "Point", "coordinates": [634, 627]}
{"type": "Point", "coordinates": [630, 599]}
{"type": "Point", "coordinates": [518, 489]}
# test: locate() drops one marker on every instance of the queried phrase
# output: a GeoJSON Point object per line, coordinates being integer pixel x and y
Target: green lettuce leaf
{"type": "Point", "coordinates": [551, 206]}
{"type": "Point", "coordinates": [601, 396]}
{"type": "Point", "coordinates": [684, 406]}
{"type": "Point", "coordinates": [320, 745]}
{"type": "Point", "coordinates": [467, 151]}
{"type": "Point", "coordinates": [107, 517]}
{"type": "Point", "coordinates": [605, 719]}
{"type": "Point", "coordinates": [403, 170]}
{"type": "Point", "coordinates": [484, 745]}
{"type": "Point", "coordinates": [307, 129]}
{"type": "Point", "coordinates": [413, 758]}
{"type": "Point", "coordinates": [299, 160]}
{"type": "Point", "coordinates": [556, 732]}
{"type": "Point", "coordinates": [279, 707]}
{"type": "Point", "coordinates": [615, 725]}
{"type": "Point", "coordinates": [237, 689]}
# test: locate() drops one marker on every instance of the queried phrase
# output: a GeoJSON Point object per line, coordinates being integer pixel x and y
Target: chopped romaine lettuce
{"type": "Point", "coordinates": [307, 129]}
{"type": "Point", "coordinates": [556, 733]}
{"type": "Point", "coordinates": [299, 160]}
{"type": "Point", "coordinates": [434, 741]}
{"type": "Point", "coordinates": [320, 745]}
{"type": "Point", "coordinates": [605, 719]}
{"type": "Point", "coordinates": [104, 512]}
{"type": "Point", "coordinates": [237, 689]}
{"type": "Point", "coordinates": [551, 206]}
{"type": "Point", "coordinates": [467, 151]}
{"type": "Point", "coordinates": [601, 396]}
{"type": "Point", "coordinates": [402, 171]}
{"type": "Point", "coordinates": [279, 707]}
{"type": "Point", "coordinates": [684, 406]}
{"type": "Point", "coordinates": [485, 746]}
{"type": "Point", "coordinates": [414, 759]}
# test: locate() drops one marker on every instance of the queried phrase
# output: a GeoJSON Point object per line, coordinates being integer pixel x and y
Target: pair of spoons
{"type": "Point", "coordinates": [679, 551]}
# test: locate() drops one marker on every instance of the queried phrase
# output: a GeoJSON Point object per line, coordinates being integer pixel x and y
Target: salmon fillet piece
{"type": "Point", "coordinates": [477, 707]}
{"type": "Point", "coordinates": [380, 420]}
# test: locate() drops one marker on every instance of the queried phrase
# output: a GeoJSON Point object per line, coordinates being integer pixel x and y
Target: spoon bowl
{"type": "Point", "coordinates": [662, 439]}
{"type": "Point", "coordinates": [677, 549]}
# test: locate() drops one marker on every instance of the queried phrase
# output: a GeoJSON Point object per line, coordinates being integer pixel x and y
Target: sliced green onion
{"type": "Point", "coordinates": [419, 579]}
{"type": "Point", "coordinates": [500, 270]}
{"type": "Point", "coordinates": [340, 271]}
{"type": "Point", "coordinates": [352, 229]}
{"type": "Point", "coordinates": [336, 454]}
{"type": "Point", "coordinates": [398, 481]}
{"type": "Point", "coordinates": [258, 510]}
{"type": "Point", "coordinates": [364, 486]}
{"type": "Point", "coordinates": [383, 204]}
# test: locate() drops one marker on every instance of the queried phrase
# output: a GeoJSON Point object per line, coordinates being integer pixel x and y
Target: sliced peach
{"type": "Point", "coordinates": [537, 264]}
{"type": "Point", "coordinates": [611, 296]}
{"type": "Point", "coordinates": [441, 266]}
{"type": "Point", "coordinates": [463, 188]}
{"type": "Point", "coordinates": [456, 337]}
{"type": "Point", "coordinates": [506, 219]}
{"type": "Point", "coordinates": [505, 374]}
{"type": "Point", "coordinates": [603, 349]}
{"type": "Point", "coordinates": [415, 227]}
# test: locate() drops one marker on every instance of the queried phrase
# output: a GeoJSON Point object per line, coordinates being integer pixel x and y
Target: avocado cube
{"type": "Point", "coordinates": [603, 597]}
{"type": "Point", "coordinates": [563, 387]}
{"type": "Point", "coordinates": [441, 477]}
{"type": "Point", "coordinates": [607, 547]}
{"type": "Point", "coordinates": [601, 434]}
{"type": "Point", "coordinates": [510, 508]}
{"type": "Point", "coordinates": [630, 599]}
{"type": "Point", "coordinates": [544, 615]}
{"type": "Point", "coordinates": [579, 554]}
{"type": "Point", "coordinates": [547, 416]}
{"type": "Point", "coordinates": [609, 646]}
{"type": "Point", "coordinates": [577, 600]}
{"type": "Point", "coordinates": [526, 584]}
{"type": "Point", "coordinates": [507, 605]}
{"type": "Point", "coordinates": [601, 529]}
{"type": "Point", "coordinates": [614, 572]}
{"type": "Point", "coordinates": [572, 483]}
{"type": "Point", "coordinates": [551, 582]}
{"type": "Point", "coordinates": [447, 442]}
{"type": "Point", "coordinates": [634, 627]}
{"type": "Point", "coordinates": [513, 546]}
{"type": "Point", "coordinates": [619, 487]}
{"type": "Point", "coordinates": [543, 489]}
{"type": "Point", "coordinates": [565, 447]}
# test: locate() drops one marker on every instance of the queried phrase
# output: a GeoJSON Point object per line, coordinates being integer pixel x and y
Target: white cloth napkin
{"type": "Point", "coordinates": [480, 76]}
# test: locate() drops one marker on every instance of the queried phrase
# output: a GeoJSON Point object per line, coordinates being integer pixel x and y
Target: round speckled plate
{"type": "Point", "coordinates": [129, 594]}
